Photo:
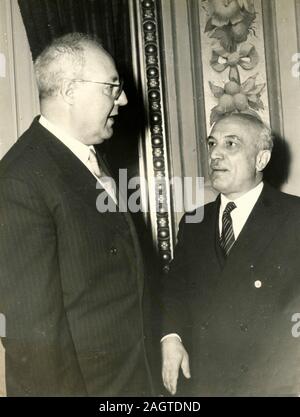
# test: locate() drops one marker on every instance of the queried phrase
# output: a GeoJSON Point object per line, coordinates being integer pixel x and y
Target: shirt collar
{"type": "Point", "coordinates": [78, 148]}
{"type": "Point", "coordinates": [246, 201]}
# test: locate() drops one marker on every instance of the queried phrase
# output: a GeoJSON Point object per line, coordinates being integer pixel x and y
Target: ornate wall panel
{"type": "Point", "coordinates": [233, 56]}
{"type": "Point", "coordinates": [153, 147]}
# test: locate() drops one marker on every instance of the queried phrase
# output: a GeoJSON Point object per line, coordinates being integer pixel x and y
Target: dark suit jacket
{"type": "Point", "coordinates": [71, 278]}
{"type": "Point", "coordinates": [238, 333]}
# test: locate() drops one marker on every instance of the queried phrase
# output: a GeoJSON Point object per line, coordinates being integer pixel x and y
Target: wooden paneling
{"type": "Point", "coordinates": [2, 372]}
{"type": "Point", "coordinates": [297, 13]}
{"type": "Point", "coordinates": [8, 120]}
{"type": "Point", "coordinates": [286, 24]}
{"type": "Point", "coordinates": [27, 103]}
{"type": "Point", "coordinates": [272, 65]}
{"type": "Point", "coordinates": [18, 99]}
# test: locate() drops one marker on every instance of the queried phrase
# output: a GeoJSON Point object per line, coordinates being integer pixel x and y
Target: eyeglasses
{"type": "Point", "coordinates": [115, 91]}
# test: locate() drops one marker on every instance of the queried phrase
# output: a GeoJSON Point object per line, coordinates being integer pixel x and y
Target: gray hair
{"type": "Point", "coordinates": [264, 140]}
{"type": "Point", "coordinates": [63, 58]}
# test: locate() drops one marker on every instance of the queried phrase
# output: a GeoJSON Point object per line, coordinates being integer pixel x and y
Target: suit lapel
{"type": "Point", "coordinates": [82, 183]}
{"type": "Point", "coordinates": [207, 236]}
{"type": "Point", "coordinates": [260, 228]}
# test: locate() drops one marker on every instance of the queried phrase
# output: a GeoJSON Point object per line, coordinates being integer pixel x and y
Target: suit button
{"type": "Point", "coordinates": [257, 284]}
{"type": "Point", "coordinates": [204, 325]}
{"type": "Point", "coordinates": [243, 327]}
{"type": "Point", "coordinates": [244, 369]}
{"type": "Point", "coordinates": [113, 251]}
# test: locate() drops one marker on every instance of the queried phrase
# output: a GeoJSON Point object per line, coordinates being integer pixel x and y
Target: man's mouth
{"type": "Point", "coordinates": [111, 120]}
{"type": "Point", "coordinates": [218, 169]}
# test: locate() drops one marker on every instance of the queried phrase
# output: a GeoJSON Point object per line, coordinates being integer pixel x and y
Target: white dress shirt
{"type": "Point", "coordinates": [79, 149]}
{"type": "Point", "coordinates": [244, 206]}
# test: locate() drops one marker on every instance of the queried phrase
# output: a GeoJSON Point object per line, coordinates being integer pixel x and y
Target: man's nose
{"type": "Point", "coordinates": [122, 100]}
{"type": "Point", "coordinates": [216, 152]}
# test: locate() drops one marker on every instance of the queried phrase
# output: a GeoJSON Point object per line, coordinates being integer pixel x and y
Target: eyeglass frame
{"type": "Point", "coordinates": [120, 85]}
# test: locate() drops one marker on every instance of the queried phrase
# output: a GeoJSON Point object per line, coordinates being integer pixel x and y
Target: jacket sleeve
{"type": "Point", "coordinates": [40, 353]}
{"type": "Point", "coordinates": [174, 289]}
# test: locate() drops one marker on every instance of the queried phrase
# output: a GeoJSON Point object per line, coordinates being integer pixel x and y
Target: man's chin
{"type": "Point", "coordinates": [98, 140]}
{"type": "Point", "coordinates": [108, 137]}
{"type": "Point", "coordinates": [107, 134]}
{"type": "Point", "coordinates": [218, 185]}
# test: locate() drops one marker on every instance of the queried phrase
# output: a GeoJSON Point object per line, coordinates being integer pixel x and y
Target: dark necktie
{"type": "Point", "coordinates": [227, 238]}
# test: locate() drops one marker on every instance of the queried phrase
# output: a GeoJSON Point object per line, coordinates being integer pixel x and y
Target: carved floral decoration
{"type": "Point", "coordinates": [229, 24]}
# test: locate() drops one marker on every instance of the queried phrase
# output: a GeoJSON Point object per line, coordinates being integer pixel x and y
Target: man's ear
{"type": "Point", "coordinates": [262, 159]}
{"type": "Point", "coordinates": [67, 91]}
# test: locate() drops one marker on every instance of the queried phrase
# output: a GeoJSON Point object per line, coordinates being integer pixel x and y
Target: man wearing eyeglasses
{"type": "Point", "coordinates": [72, 277]}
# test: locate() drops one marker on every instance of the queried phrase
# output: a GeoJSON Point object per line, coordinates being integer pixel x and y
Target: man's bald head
{"type": "Point", "coordinates": [64, 58]}
{"type": "Point", "coordinates": [264, 138]}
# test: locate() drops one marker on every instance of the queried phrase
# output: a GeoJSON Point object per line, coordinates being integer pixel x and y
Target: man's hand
{"type": "Point", "coordinates": [174, 356]}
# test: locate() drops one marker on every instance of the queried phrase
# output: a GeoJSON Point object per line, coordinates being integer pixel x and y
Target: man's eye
{"type": "Point", "coordinates": [109, 88]}
{"type": "Point", "coordinates": [211, 144]}
{"type": "Point", "coordinates": [231, 144]}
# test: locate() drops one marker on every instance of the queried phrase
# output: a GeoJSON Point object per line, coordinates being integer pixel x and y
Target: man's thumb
{"type": "Point", "coordinates": [185, 366]}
